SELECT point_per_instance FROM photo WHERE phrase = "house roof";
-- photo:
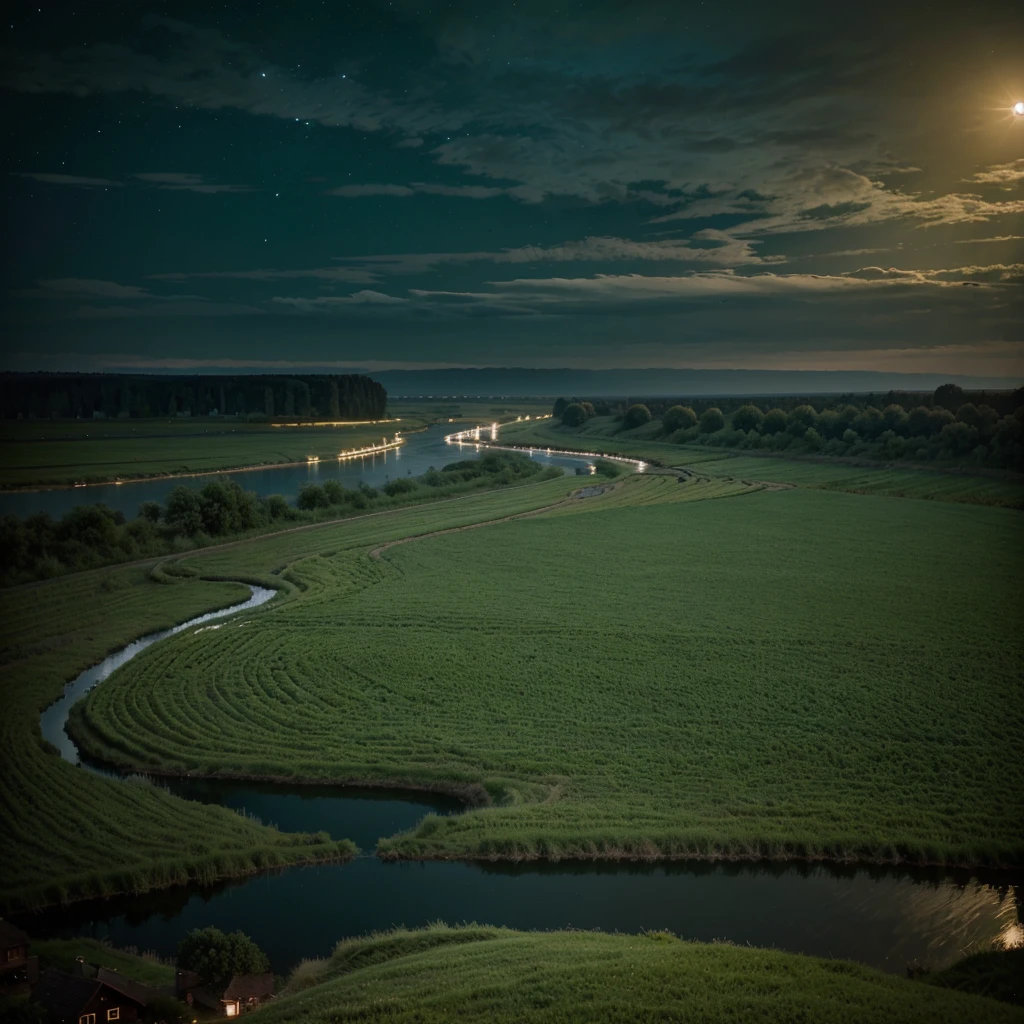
(11, 935)
(134, 990)
(64, 995)
(245, 986)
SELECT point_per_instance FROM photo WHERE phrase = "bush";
(335, 492)
(678, 417)
(403, 485)
(712, 420)
(812, 439)
(747, 417)
(312, 496)
(636, 416)
(150, 511)
(607, 468)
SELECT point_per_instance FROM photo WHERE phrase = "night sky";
(600, 184)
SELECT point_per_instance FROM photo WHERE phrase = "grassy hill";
(495, 974)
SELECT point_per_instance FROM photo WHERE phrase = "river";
(883, 917)
(421, 450)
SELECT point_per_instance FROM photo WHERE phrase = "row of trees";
(949, 396)
(923, 433)
(84, 395)
(89, 536)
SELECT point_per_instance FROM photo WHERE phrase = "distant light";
(1018, 108)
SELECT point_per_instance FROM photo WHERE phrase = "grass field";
(495, 974)
(643, 673)
(68, 834)
(602, 435)
(902, 483)
(45, 452)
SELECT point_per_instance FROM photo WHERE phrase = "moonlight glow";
(1018, 108)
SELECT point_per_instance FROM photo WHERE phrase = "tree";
(678, 417)
(561, 404)
(747, 417)
(869, 424)
(151, 511)
(804, 415)
(574, 415)
(335, 492)
(896, 419)
(970, 414)
(948, 396)
(215, 957)
(184, 511)
(775, 421)
(636, 416)
(919, 421)
(712, 420)
(812, 439)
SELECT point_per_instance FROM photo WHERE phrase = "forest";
(112, 395)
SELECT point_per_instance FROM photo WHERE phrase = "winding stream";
(883, 917)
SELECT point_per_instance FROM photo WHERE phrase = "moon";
(1018, 108)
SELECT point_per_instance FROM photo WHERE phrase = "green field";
(56, 452)
(496, 974)
(645, 673)
(68, 834)
(602, 434)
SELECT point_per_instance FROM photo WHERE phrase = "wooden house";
(68, 999)
(244, 992)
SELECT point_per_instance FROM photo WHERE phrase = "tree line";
(111, 395)
(948, 396)
(950, 426)
(89, 536)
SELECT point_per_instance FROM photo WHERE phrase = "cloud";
(68, 179)
(424, 188)
(337, 275)
(76, 287)
(187, 183)
(331, 303)
(186, 305)
(999, 174)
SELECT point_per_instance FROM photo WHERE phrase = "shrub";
(678, 417)
(712, 420)
(812, 439)
(636, 416)
(312, 496)
(150, 511)
(403, 485)
(335, 492)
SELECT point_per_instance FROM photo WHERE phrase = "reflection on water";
(884, 919)
(417, 454)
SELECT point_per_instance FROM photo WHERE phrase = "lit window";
(87, 1018)
(114, 1013)
(12, 954)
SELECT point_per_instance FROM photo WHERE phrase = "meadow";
(476, 973)
(703, 668)
(605, 434)
(69, 834)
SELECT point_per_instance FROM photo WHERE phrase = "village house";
(16, 966)
(106, 997)
(243, 992)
